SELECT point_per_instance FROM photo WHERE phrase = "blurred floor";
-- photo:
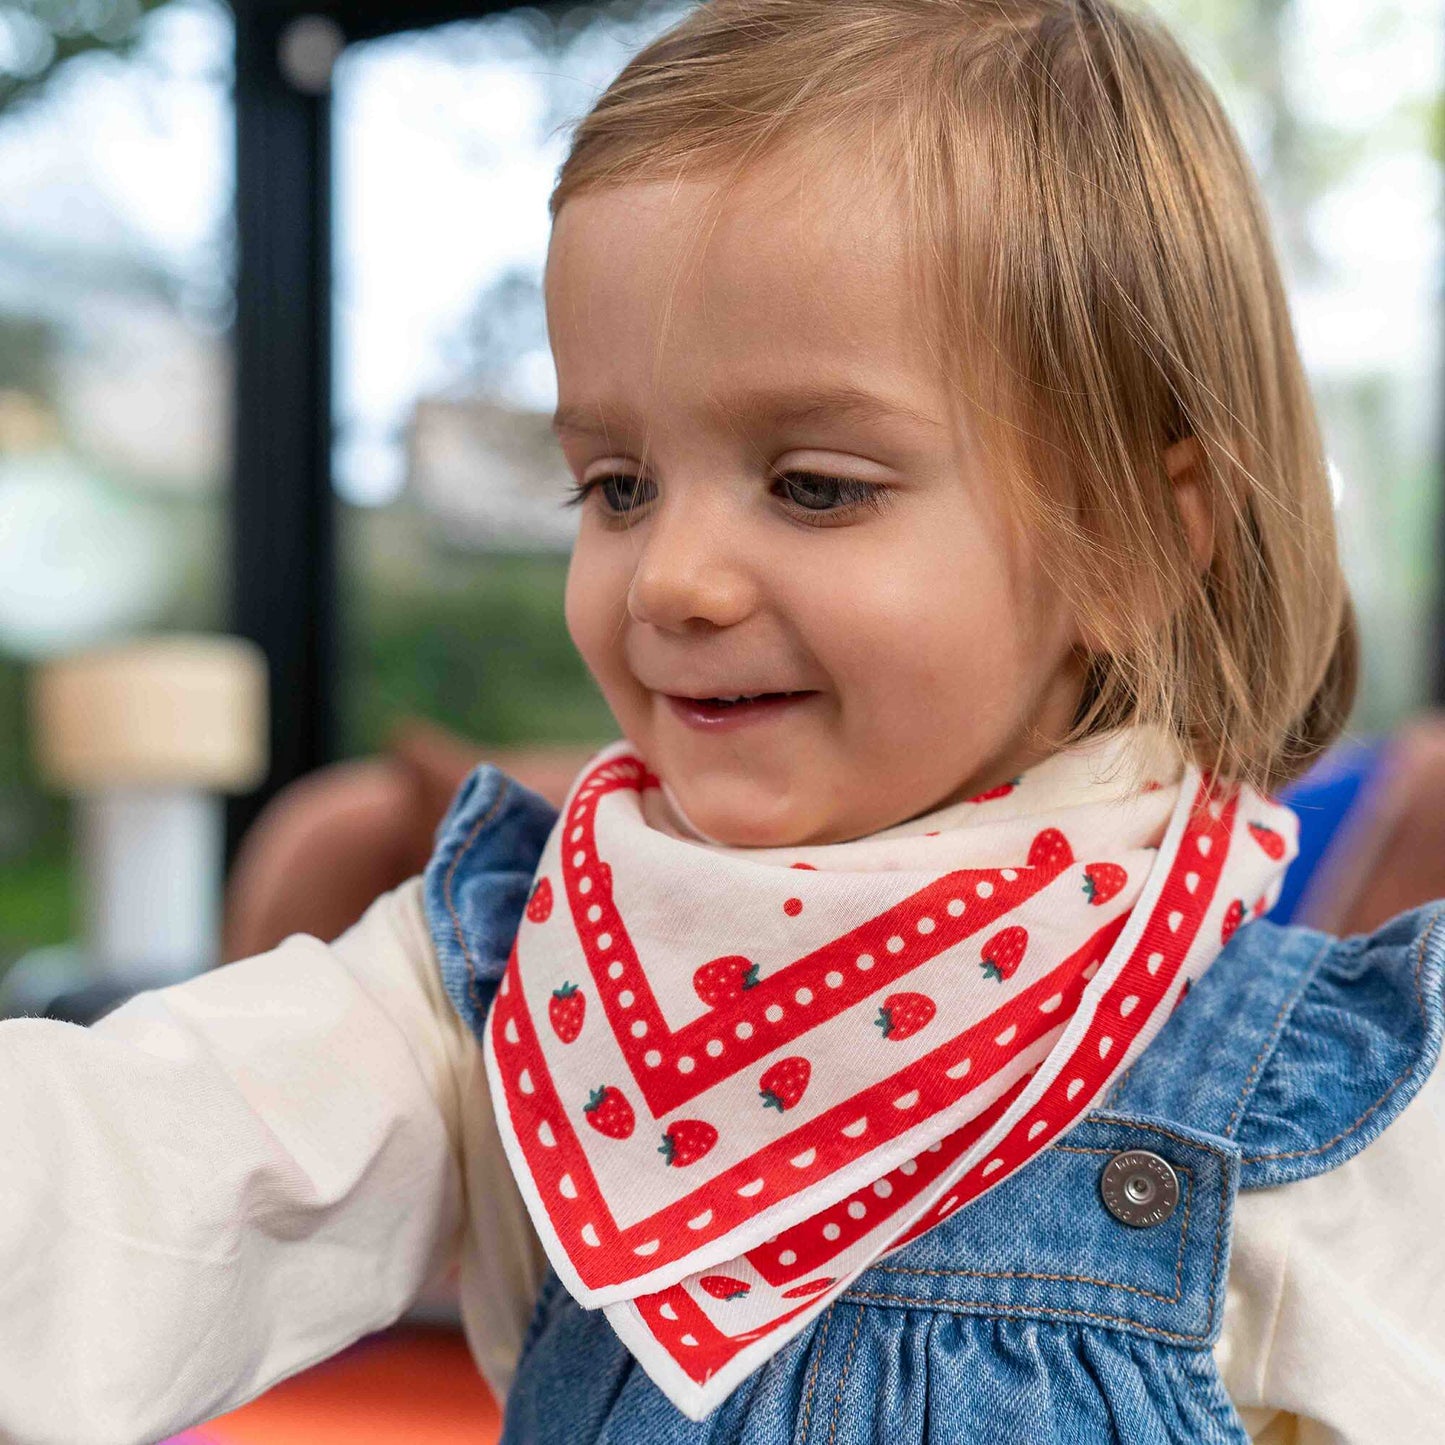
(412, 1384)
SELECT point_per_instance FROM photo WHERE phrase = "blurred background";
(273, 364)
(432, 586)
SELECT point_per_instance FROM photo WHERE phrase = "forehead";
(697, 284)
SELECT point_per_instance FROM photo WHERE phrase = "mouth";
(714, 713)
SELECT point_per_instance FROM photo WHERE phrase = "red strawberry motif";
(1233, 917)
(1003, 953)
(609, 1112)
(1002, 791)
(813, 1286)
(724, 1286)
(686, 1141)
(1050, 850)
(567, 1008)
(1268, 839)
(1261, 905)
(1102, 881)
(784, 1084)
(903, 1014)
(724, 978)
(539, 904)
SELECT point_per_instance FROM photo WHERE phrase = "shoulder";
(477, 882)
(1299, 1047)
(1349, 1048)
(1336, 1294)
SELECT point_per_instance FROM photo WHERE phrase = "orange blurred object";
(407, 1386)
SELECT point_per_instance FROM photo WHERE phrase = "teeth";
(745, 697)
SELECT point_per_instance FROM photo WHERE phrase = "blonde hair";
(1100, 283)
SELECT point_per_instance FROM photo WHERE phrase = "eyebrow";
(809, 404)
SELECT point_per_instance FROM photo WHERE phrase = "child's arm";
(222, 1182)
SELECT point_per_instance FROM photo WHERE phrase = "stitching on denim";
(1024, 1311)
(843, 1378)
(1223, 1205)
(1115, 1121)
(1271, 1037)
(813, 1373)
(1075, 1278)
(451, 873)
(1395, 1083)
(1087, 1314)
(1218, 1242)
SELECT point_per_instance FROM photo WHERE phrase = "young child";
(882, 1042)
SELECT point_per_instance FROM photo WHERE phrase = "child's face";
(927, 637)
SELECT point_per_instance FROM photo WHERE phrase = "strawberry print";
(724, 978)
(567, 1008)
(609, 1112)
(784, 1083)
(686, 1141)
(1003, 953)
(1261, 905)
(1002, 791)
(1050, 850)
(1233, 917)
(539, 904)
(1102, 881)
(884, 945)
(724, 1286)
(903, 1014)
(1271, 841)
(802, 1291)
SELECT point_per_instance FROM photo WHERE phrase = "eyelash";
(864, 494)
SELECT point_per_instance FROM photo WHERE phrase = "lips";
(714, 713)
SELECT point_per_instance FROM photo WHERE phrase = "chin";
(739, 825)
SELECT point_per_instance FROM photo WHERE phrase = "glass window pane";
(116, 256)
(1338, 107)
(454, 542)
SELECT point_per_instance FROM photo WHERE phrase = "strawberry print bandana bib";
(728, 1080)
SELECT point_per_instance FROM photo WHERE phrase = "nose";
(692, 567)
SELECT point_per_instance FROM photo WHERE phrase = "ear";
(1184, 462)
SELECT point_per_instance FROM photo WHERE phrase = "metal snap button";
(1139, 1188)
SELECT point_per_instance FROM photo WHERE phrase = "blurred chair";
(331, 842)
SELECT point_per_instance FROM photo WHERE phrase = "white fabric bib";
(730, 1079)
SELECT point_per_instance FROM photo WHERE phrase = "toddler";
(883, 1041)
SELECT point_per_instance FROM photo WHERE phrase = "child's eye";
(811, 495)
(619, 492)
(825, 496)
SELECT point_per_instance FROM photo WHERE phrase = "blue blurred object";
(1323, 799)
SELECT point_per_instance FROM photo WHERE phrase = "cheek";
(591, 606)
(911, 643)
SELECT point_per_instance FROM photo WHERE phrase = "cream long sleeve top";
(224, 1181)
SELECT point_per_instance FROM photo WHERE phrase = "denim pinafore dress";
(1075, 1302)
